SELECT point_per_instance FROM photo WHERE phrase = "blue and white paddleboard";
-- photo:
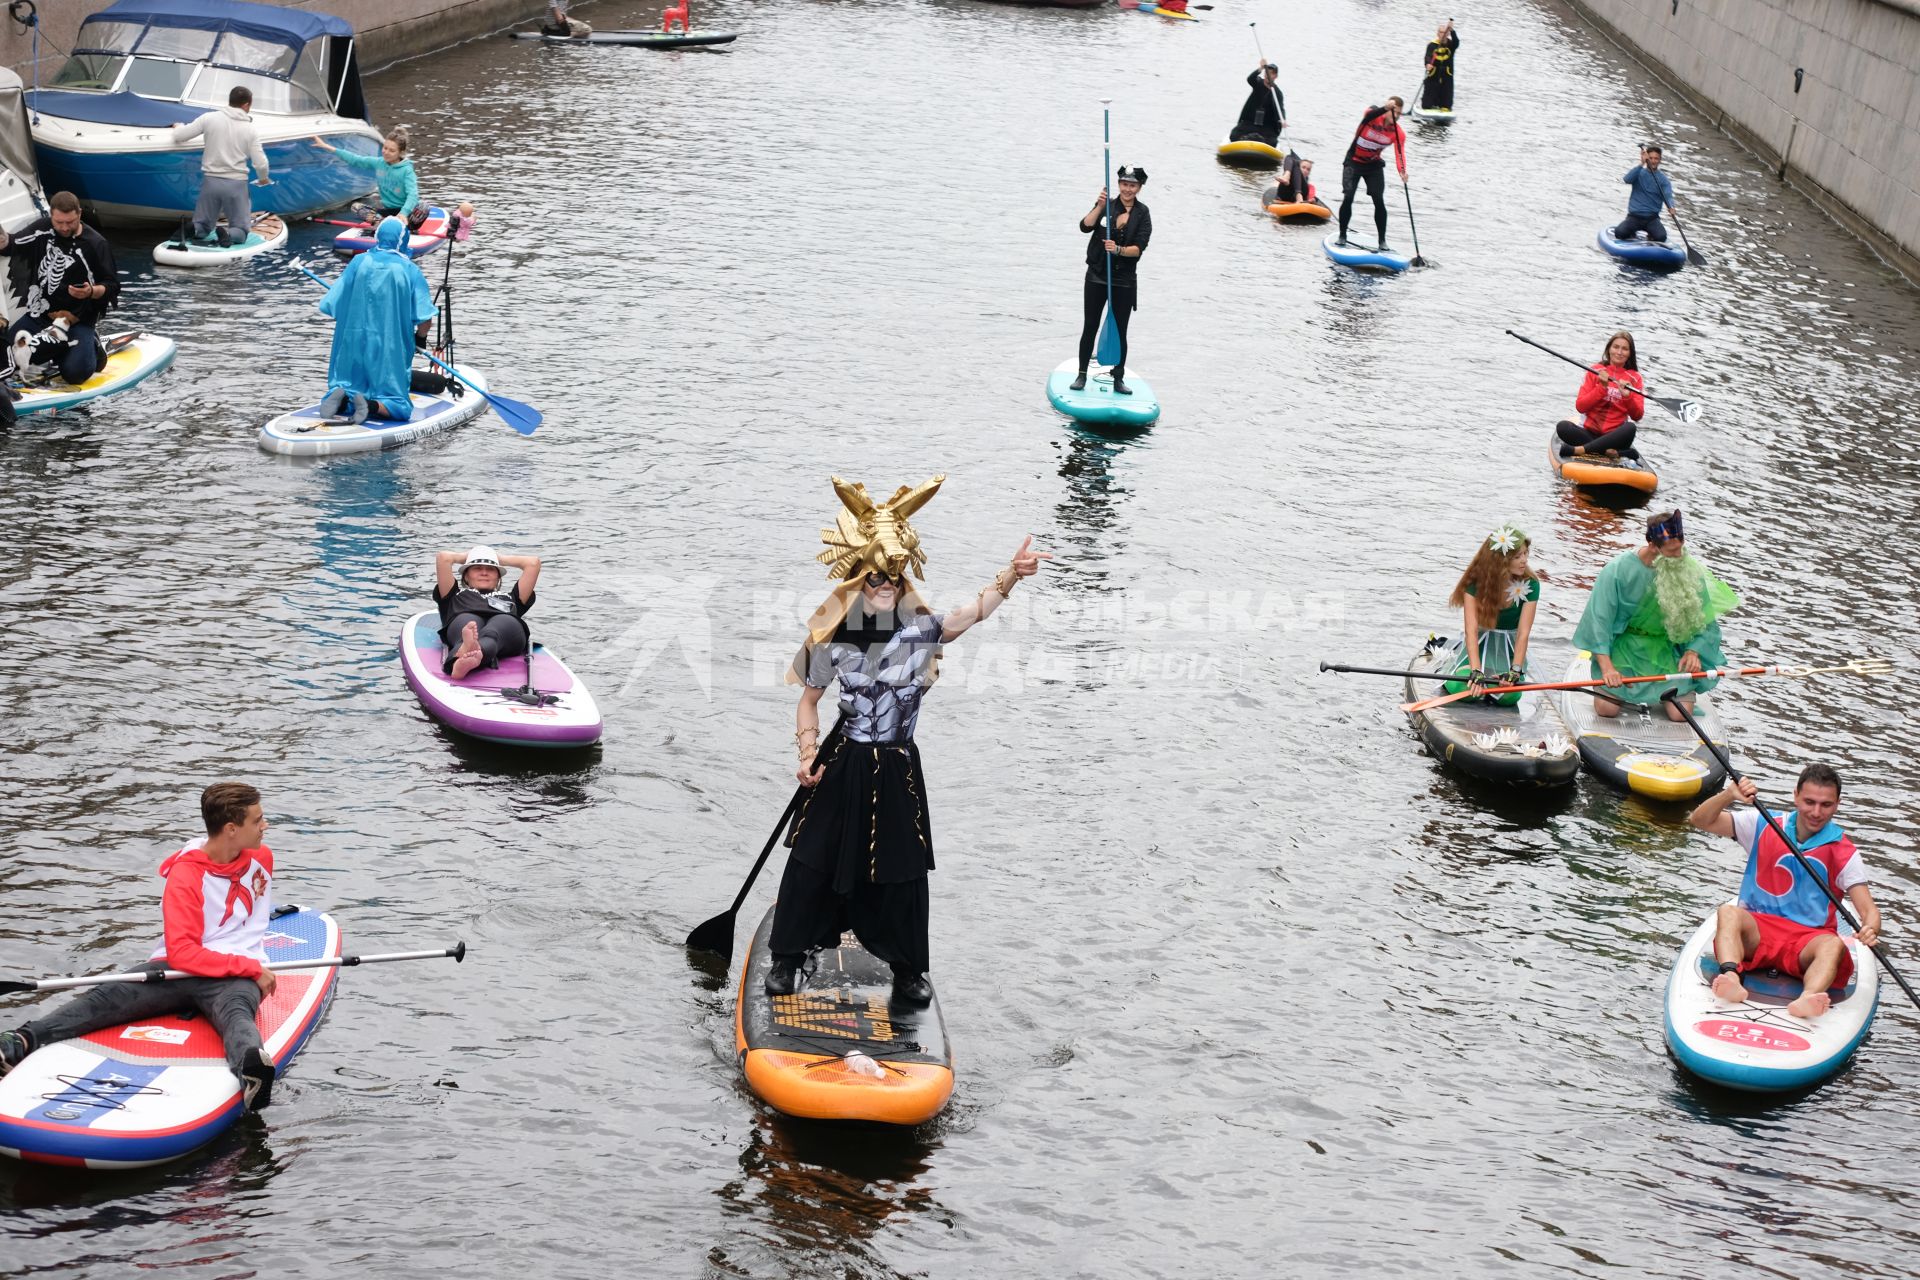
(1353, 255)
(268, 233)
(305, 433)
(1757, 1045)
(147, 1092)
(1098, 404)
(1652, 254)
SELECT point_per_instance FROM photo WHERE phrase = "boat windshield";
(194, 66)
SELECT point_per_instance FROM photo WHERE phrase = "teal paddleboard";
(1097, 403)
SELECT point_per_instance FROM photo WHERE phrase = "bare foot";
(468, 656)
(1811, 1005)
(1579, 451)
(1727, 987)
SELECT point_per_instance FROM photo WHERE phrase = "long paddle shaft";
(1413, 227)
(1434, 675)
(716, 934)
(1858, 667)
(523, 418)
(1109, 349)
(1685, 410)
(457, 952)
(1279, 116)
(1779, 831)
(1694, 256)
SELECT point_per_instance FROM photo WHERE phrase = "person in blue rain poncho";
(381, 306)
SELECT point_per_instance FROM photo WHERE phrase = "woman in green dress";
(1497, 597)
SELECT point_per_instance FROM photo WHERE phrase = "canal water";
(1239, 982)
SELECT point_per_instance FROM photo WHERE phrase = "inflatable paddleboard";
(1250, 153)
(489, 704)
(1437, 115)
(637, 39)
(1526, 743)
(1097, 404)
(1299, 211)
(1641, 750)
(1757, 1045)
(134, 359)
(1652, 254)
(1606, 477)
(841, 1047)
(148, 1092)
(268, 233)
(428, 236)
(1352, 255)
(305, 433)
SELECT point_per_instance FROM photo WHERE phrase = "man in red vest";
(1784, 919)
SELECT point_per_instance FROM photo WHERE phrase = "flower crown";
(1506, 540)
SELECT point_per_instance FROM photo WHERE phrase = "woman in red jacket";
(1611, 403)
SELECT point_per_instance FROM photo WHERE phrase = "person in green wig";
(1653, 611)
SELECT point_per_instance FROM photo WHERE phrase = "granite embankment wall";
(1826, 92)
(387, 30)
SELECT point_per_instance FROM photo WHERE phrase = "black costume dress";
(1258, 120)
(861, 841)
(1436, 91)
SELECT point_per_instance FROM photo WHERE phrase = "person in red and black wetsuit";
(1611, 401)
(1379, 129)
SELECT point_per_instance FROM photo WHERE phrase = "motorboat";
(20, 198)
(102, 128)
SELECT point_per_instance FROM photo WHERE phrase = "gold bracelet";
(1004, 582)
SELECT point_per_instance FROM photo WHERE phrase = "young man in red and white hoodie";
(215, 909)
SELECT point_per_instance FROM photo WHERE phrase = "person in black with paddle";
(1264, 114)
(1436, 91)
(861, 839)
(1132, 228)
(480, 623)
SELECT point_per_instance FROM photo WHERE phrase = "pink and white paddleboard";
(148, 1092)
(496, 705)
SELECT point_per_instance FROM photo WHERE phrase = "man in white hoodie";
(231, 140)
(214, 914)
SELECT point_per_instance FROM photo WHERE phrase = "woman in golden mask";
(861, 841)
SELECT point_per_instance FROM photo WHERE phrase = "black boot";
(783, 977)
(1120, 387)
(256, 1075)
(1079, 383)
(912, 988)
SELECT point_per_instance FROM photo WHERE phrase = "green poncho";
(1623, 620)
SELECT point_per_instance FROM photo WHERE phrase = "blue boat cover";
(258, 21)
(112, 108)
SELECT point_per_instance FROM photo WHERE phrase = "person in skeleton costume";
(1654, 611)
(479, 622)
(58, 263)
(861, 841)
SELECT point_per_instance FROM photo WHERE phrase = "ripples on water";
(1239, 982)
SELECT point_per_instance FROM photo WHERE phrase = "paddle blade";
(523, 418)
(715, 935)
(1685, 410)
(1696, 257)
(1109, 350)
(10, 988)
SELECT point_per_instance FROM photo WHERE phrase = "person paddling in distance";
(1652, 612)
(479, 622)
(1652, 191)
(1782, 919)
(1264, 114)
(1497, 596)
(214, 915)
(1366, 159)
(861, 839)
(1132, 228)
(1610, 402)
(231, 141)
(397, 186)
(1436, 90)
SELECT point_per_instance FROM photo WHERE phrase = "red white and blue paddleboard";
(148, 1092)
(424, 239)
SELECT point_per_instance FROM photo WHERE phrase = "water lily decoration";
(1557, 745)
(1506, 539)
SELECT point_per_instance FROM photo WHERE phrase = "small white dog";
(36, 356)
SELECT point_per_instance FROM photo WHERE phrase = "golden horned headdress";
(870, 537)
